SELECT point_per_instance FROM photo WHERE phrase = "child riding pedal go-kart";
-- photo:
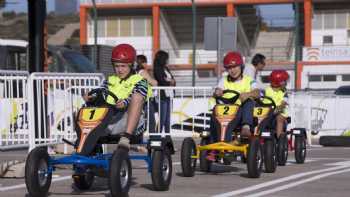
(111, 115)
(232, 114)
(276, 122)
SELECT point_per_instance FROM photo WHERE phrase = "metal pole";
(296, 53)
(95, 34)
(219, 48)
(194, 41)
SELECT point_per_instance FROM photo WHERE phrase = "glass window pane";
(125, 26)
(317, 21)
(341, 20)
(329, 78)
(148, 27)
(315, 78)
(112, 27)
(346, 77)
(101, 27)
(329, 20)
(327, 39)
(139, 26)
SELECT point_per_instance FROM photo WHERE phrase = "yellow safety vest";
(276, 96)
(241, 86)
(123, 88)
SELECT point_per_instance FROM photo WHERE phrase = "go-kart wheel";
(188, 164)
(120, 173)
(204, 163)
(84, 181)
(300, 149)
(162, 170)
(270, 155)
(227, 161)
(255, 158)
(282, 150)
(37, 176)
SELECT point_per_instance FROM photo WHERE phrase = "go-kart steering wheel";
(271, 102)
(99, 97)
(222, 100)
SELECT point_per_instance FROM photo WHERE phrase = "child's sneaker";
(211, 155)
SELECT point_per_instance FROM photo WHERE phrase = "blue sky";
(278, 13)
(21, 5)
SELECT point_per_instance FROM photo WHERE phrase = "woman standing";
(164, 77)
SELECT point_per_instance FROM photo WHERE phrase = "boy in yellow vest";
(246, 86)
(277, 92)
(132, 91)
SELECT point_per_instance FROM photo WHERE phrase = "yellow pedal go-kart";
(224, 111)
(263, 114)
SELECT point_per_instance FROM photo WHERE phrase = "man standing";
(252, 70)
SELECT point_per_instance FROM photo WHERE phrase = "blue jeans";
(151, 121)
(165, 115)
(243, 116)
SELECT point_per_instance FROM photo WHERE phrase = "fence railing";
(13, 108)
(39, 109)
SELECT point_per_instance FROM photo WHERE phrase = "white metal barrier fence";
(13, 109)
(55, 98)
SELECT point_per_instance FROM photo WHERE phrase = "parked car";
(343, 90)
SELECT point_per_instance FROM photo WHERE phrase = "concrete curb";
(12, 169)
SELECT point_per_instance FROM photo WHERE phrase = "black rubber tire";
(300, 149)
(161, 161)
(84, 181)
(38, 157)
(270, 162)
(204, 163)
(282, 150)
(188, 164)
(120, 158)
(335, 141)
(255, 158)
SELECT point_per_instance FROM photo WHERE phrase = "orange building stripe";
(156, 29)
(230, 10)
(83, 32)
(307, 22)
(186, 4)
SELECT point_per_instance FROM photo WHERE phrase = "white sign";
(331, 53)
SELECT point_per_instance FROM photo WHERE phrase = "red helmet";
(123, 53)
(277, 77)
(233, 58)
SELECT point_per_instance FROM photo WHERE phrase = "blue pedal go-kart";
(89, 161)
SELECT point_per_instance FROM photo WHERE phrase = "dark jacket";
(160, 76)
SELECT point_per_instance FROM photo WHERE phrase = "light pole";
(95, 34)
(194, 41)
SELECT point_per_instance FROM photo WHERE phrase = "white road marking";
(281, 180)
(2, 189)
(287, 186)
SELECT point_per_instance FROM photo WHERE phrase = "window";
(101, 27)
(125, 26)
(327, 39)
(329, 20)
(139, 27)
(265, 79)
(346, 77)
(317, 21)
(112, 27)
(329, 77)
(315, 78)
(341, 20)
